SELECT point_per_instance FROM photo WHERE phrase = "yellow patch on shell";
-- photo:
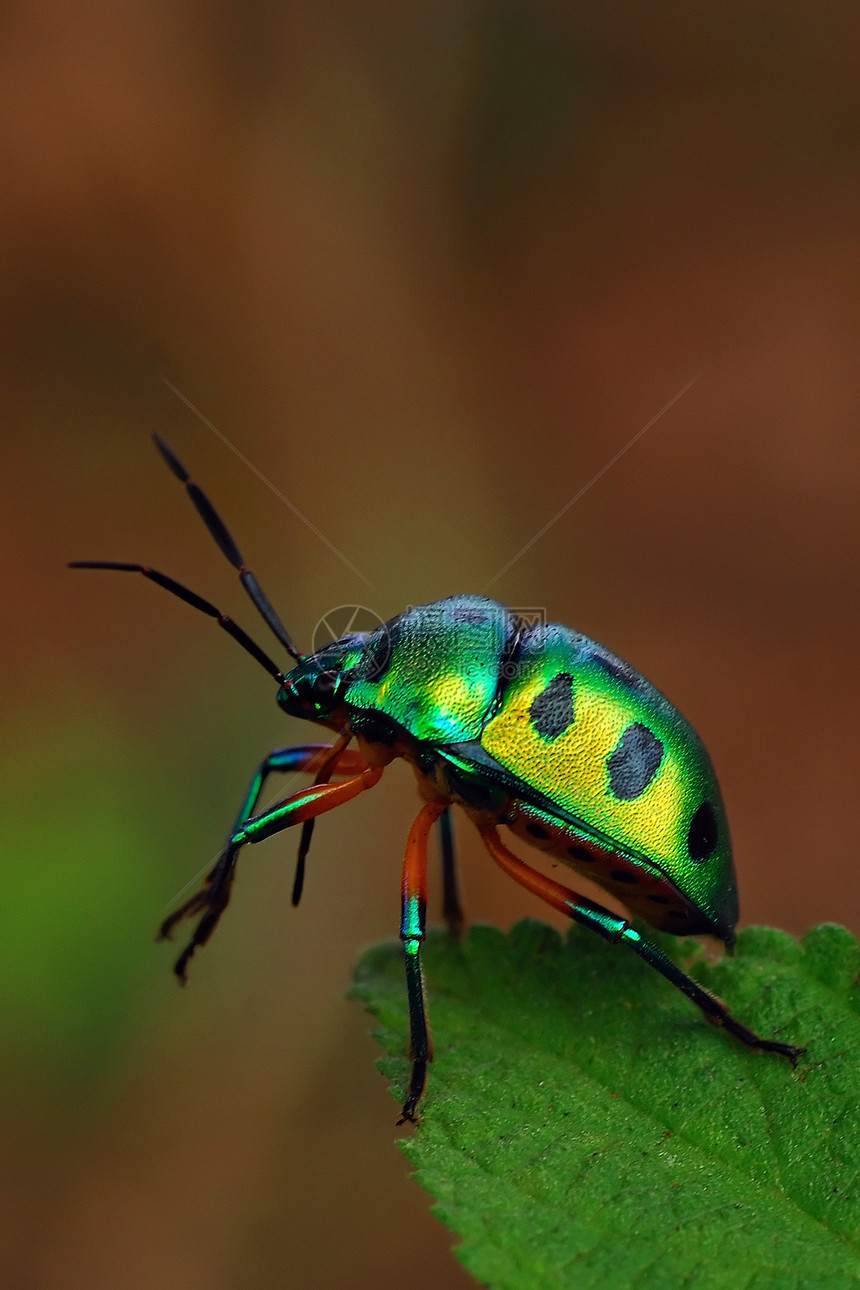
(571, 769)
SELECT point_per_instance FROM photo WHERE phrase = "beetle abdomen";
(591, 735)
(642, 888)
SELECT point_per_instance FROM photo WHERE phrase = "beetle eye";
(325, 686)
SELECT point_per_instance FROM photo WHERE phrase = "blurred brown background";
(428, 267)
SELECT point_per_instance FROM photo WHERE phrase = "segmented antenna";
(228, 547)
(197, 602)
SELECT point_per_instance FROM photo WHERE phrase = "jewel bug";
(534, 727)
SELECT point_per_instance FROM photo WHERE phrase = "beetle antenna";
(228, 547)
(197, 602)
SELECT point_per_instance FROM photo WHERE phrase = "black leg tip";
(180, 967)
(416, 1092)
(788, 1051)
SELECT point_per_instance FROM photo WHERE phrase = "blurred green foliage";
(77, 881)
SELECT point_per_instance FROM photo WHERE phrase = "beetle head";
(316, 687)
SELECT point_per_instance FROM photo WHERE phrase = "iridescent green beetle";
(534, 727)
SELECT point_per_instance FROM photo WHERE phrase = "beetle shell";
(434, 670)
(555, 736)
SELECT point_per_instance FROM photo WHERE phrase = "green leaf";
(584, 1126)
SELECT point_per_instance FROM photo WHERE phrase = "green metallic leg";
(303, 757)
(211, 901)
(412, 928)
(618, 930)
(615, 929)
(452, 910)
(213, 898)
(304, 805)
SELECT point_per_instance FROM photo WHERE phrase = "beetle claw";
(210, 903)
(195, 905)
(788, 1051)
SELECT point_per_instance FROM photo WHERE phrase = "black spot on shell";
(623, 875)
(580, 853)
(536, 830)
(552, 710)
(658, 900)
(703, 833)
(634, 762)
